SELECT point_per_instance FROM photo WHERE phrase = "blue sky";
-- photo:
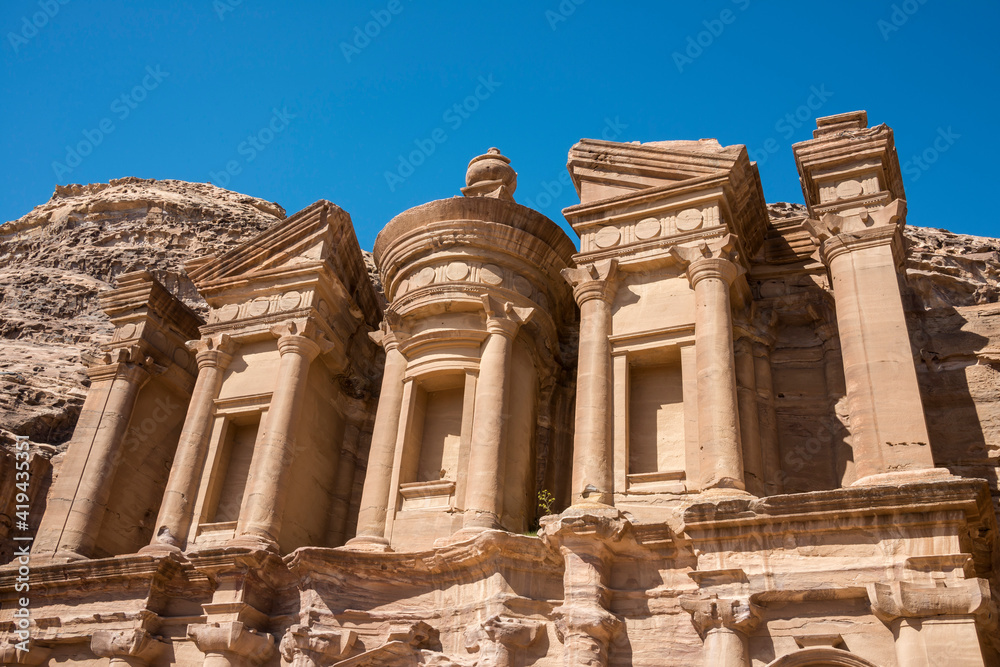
(293, 102)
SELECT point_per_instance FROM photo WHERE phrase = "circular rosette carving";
(457, 271)
(258, 306)
(849, 189)
(491, 274)
(424, 277)
(647, 229)
(689, 219)
(607, 237)
(228, 312)
(289, 300)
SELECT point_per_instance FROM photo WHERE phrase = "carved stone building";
(753, 431)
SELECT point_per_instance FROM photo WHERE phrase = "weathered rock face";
(56, 259)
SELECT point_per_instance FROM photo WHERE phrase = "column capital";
(710, 259)
(390, 332)
(503, 317)
(130, 363)
(714, 613)
(136, 646)
(597, 280)
(213, 351)
(901, 599)
(305, 646)
(838, 234)
(301, 337)
(232, 637)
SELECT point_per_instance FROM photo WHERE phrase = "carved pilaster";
(711, 269)
(375, 496)
(862, 249)
(231, 643)
(304, 646)
(594, 287)
(126, 648)
(485, 491)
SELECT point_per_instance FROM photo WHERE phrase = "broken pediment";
(636, 197)
(316, 244)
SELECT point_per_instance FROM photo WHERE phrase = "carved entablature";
(638, 200)
(848, 167)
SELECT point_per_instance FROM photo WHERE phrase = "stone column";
(173, 523)
(126, 648)
(375, 495)
(73, 518)
(303, 646)
(593, 475)
(231, 644)
(767, 420)
(888, 430)
(260, 519)
(932, 625)
(499, 638)
(484, 494)
(724, 624)
(711, 273)
(746, 383)
(583, 537)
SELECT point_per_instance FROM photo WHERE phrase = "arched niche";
(821, 657)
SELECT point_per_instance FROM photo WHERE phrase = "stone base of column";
(724, 493)
(253, 543)
(465, 535)
(161, 549)
(906, 477)
(367, 544)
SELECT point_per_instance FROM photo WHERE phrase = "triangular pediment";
(320, 238)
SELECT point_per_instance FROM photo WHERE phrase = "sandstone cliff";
(57, 258)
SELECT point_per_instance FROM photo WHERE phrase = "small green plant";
(545, 500)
